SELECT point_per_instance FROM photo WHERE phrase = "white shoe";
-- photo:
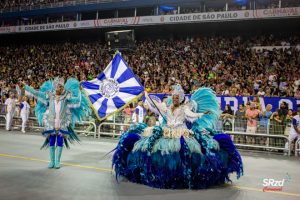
(23, 131)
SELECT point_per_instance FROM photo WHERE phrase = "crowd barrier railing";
(112, 129)
(297, 147)
(31, 123)
(267, 127)
(257, 146)
(84, 127)
(2, 120)
(2, 109)
(269, 135)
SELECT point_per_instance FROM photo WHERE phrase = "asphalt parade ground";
(86, 173)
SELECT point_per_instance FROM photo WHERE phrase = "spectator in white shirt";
(25, 109)
(139, 114)
(10, 110)
(261, 92)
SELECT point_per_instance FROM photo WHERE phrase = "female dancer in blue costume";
(183, 152)
(59, 107)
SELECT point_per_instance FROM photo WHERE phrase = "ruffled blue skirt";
(175, 163)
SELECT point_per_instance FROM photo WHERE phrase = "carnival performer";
(25, 110)
(59, 106)
(10, 109)
(184, 151)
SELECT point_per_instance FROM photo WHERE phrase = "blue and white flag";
(113, 89)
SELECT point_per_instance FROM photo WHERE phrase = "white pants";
(291, 138)
(9, 119)
(24, 120)
(251, 129)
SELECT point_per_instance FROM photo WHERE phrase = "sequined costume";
(183, 152)
(58, 114)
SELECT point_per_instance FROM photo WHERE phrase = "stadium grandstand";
(246, 51)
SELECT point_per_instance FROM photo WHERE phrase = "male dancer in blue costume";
(59, 106)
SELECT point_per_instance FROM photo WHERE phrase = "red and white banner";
(277, 12)
(126, 21)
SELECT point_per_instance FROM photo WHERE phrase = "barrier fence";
(297, 147)
(269, 135)
(85, 127)
(2, 120)
(258, 146)
(111, 129)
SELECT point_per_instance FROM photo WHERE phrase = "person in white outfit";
(10, 104)
(295, 128)
(25, 109)
(139, 114)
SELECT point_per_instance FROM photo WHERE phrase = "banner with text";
(234, 102)
(158, 20)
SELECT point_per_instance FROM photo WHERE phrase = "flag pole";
(156, 108)
(117, 51)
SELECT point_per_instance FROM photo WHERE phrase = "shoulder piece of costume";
(77, 102)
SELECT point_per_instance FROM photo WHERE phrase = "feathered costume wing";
(78, 103)
(203, 100)
(81, 107)
(42, 104)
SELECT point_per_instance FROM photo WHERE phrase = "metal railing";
(82, 127)
(2, 122)
(266, 136)
(113, 127)
(2, 109)
(85, 127)
(31, 123)
(240, 125)
(256, 146)
(297, 147)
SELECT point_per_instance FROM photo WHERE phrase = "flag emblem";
(113, 89)
(109, 88)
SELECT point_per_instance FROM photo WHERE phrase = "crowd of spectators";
(229, 65)
(260, 4)
(15, 5)
(252, 118)
(8, 4)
